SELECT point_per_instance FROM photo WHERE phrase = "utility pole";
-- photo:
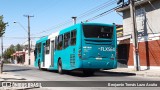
(134, 36)
(28, 16)
(74, 20)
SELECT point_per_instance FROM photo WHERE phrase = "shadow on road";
(111, 73)
(16, 70)
(101, 73)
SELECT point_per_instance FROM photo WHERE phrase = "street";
(33, 74)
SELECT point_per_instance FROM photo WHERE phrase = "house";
(32, 57)
(148, 29)
(18, 57)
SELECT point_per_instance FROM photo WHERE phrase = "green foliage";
(9, 51)
(2, 26)
(19, 47)
(12, 49)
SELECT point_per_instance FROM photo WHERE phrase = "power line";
(55, 27)
(21, 26)
(96, 9)
(20, 37)
(103, 14)
(87, 13)
(100, 15)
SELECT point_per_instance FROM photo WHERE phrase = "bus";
(85, 46)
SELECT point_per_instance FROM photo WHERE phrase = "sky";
(50, 16)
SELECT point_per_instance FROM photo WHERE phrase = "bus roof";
(53, 35)
(97, 24)
(42, 39)
(79, 24)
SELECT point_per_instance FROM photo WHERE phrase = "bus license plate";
(98, 58)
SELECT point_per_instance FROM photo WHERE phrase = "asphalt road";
(33, 74)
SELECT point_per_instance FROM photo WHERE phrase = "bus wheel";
(60, 70)
(88, 72)
(39, 65)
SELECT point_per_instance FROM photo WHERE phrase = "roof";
(136, 4)
(18, 53)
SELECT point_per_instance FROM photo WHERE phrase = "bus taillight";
(117, 52)
(112, 57)
(79, 53)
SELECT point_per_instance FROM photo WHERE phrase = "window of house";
(66, 39)
(73, 37)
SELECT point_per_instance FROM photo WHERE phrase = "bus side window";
(60, 42)
(39, 48)
(56, 43)
(73, 37)
(47, 46)
(66, 39)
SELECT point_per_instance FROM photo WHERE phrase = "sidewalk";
(5, 76)
(21, 65)
(144, 73)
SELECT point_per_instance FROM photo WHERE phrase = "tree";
(19, 47)
(9, 51)
(2, 29)
(2, 26)
(12, 49)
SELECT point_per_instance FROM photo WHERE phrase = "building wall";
(148, 26)
(147, 17)
(149, 53)
(31, 58)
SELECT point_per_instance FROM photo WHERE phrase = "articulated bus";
(86, 46)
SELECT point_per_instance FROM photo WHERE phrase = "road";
(33, 74)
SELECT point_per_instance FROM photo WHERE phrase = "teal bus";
(86, 46)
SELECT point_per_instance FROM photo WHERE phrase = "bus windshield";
(92, 31)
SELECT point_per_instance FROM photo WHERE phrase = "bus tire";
(88, 72)
(60, 70)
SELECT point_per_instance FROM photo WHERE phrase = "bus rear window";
(95, 31)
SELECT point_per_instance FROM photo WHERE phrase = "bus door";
(43, 53)
(73, 50)
(35, 52)
(52, 53)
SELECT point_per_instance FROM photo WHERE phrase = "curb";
(20, 65)
(147, 75)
